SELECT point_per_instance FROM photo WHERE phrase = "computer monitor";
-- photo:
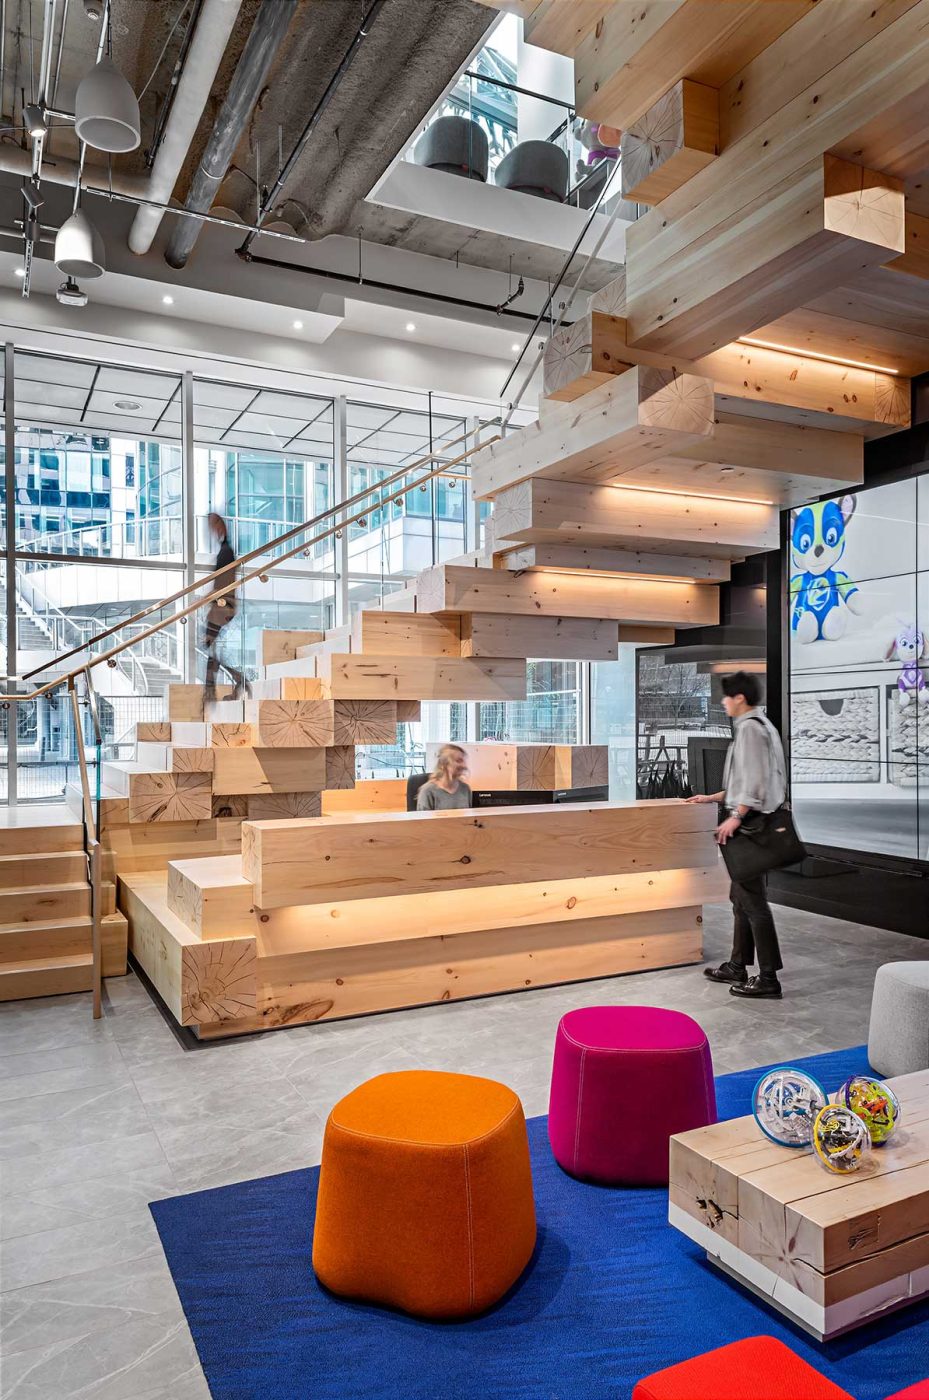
(524, 797)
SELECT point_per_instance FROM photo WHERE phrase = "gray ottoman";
(898, 1040)
(456, 145)
(535, 167)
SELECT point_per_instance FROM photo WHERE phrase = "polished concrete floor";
(99, 1118)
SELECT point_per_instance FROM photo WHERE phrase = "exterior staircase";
(45, 919)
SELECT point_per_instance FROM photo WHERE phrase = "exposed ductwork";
(214, 28)
(267, 33)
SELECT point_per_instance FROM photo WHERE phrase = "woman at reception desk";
(446, 789)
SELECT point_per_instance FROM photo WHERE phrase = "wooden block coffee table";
(831, 1252)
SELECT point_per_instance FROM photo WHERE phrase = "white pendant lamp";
(79, 250)
(106, 110)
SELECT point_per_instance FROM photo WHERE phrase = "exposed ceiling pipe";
(15, 161)
(214, 28)
(267, 33)
(364, 29)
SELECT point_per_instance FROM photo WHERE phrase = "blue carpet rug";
(612, 1293)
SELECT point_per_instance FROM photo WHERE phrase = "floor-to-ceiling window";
(119, 458)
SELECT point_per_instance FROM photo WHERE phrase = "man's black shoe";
(726, 973)
(758, 987)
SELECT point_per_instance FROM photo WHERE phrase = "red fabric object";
(758, 1368)
(919, 1391)
(624, 1079)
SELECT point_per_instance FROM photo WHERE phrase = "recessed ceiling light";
(20, 272)
(298, 325)
(130, 405)
(410, 326)
(515, 349)
(168, 301)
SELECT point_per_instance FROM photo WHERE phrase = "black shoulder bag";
(764, 841)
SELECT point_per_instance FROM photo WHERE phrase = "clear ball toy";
(840, 1138)
(875, 1103)
(785, 1104)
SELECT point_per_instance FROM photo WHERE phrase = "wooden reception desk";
(368, 911)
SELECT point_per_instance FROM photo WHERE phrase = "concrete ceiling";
(410, 56)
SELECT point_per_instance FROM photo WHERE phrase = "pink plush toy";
(909, 647)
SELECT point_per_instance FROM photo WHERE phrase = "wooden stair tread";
(41, 964)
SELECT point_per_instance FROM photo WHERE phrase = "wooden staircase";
(45, 919)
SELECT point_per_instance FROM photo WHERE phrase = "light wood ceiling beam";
(635, 53)
(761, 170)
(815, 228)
(621, 561)
(618, 517)
(777, 384)
(797, 61)
(548, 593)
(641, 414)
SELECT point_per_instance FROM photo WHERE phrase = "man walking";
(220, 612)
(755, 779)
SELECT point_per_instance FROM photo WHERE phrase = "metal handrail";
(259, 573)
(263, 549)
(91, 843)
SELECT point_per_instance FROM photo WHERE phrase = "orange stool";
(425, 1194)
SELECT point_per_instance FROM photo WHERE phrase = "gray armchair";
(456, 145)
(535, 167)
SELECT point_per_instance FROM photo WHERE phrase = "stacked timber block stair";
(46, 934)
(335, 916)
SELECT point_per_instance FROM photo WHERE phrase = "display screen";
(859, 662)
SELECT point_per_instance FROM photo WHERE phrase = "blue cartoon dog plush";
(821, 596)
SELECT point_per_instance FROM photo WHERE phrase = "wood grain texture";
(185, 702)
(191, 760)
(633, 55)
(233, 735)
(277, 805)
(405, 634)
(642, 414)
(364, 722)
(293, 724)
(306, 987)
(149, 846)
(584, 355)
(579, 595)
(169, 797)
(197, 981)
(670, 142)
(567, 557)
(409, 711)
(574, 513)
(812, 229)
(369, 795)
(826, 1239)
(364, 857)
(153, 732)
(230, 806)
(422, 678)
(225, 906)
(282, 645)
(555, 638)
(244, 772)
(779, 385)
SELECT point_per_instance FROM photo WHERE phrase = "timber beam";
(668, 144)
(670, 602)
(637, 416)
(574, 513)
(750, 378)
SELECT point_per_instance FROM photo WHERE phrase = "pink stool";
(626, 1078)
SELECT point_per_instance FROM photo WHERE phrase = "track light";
(32, 194)
(34, 120)
(79, 250)
(70, 294)
(106, 110)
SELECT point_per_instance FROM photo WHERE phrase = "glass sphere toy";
(840, 1138)
(785, 1104)
(875, 1103)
